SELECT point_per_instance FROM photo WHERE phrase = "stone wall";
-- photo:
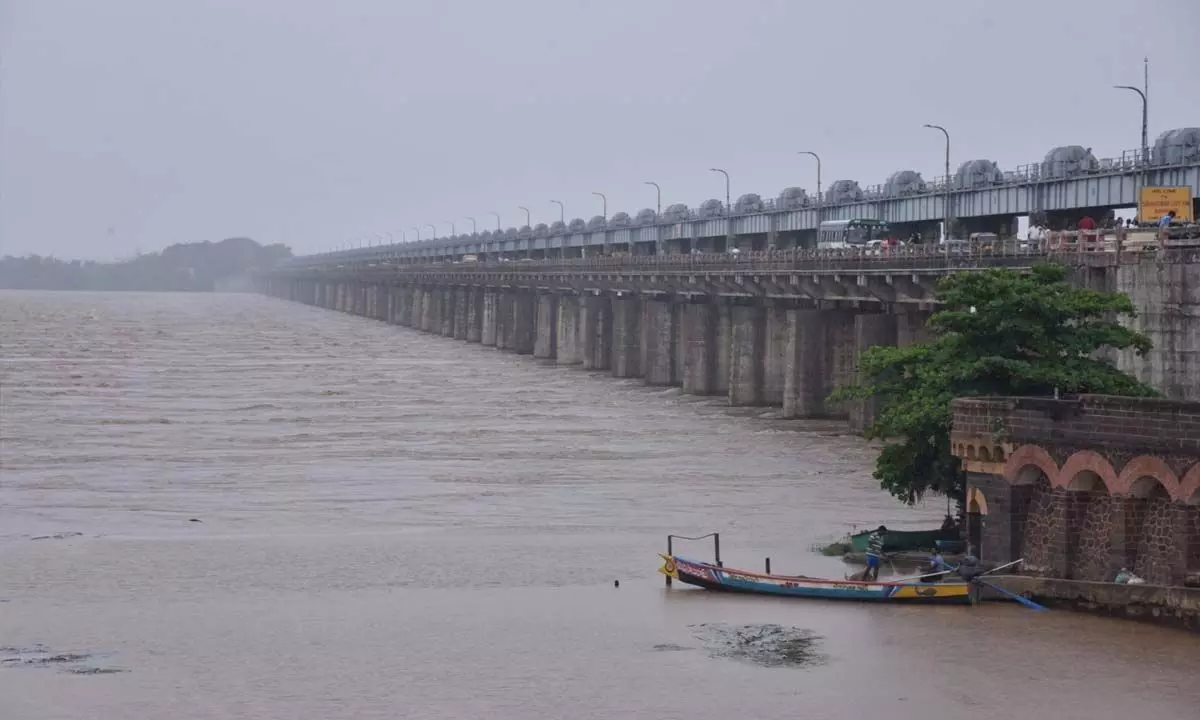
(1170, 606)
(1082, 487)
(1084, 421)
(1165, 291)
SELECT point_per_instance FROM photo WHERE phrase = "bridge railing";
(981, 252)
(870, 259)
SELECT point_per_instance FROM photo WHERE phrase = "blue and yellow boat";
(715, 577)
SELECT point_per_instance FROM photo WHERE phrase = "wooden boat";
(714, 577)
(897, 540)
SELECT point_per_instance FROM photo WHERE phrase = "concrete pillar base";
(746, 355)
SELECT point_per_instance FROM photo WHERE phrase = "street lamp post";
(453, 228)
(498, 229)
(657, 216)
(820, 198)
(1144, 95)
(719, 170)
(658, 192)
(418, 231)
(603, 204)
(728, 210)
(433, 227)
(562, 218)
(474, 228)
(946, 200)
(528, 222)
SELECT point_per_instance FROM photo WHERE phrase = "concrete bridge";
(1081, 487)
(1068, 184)
(774, 328)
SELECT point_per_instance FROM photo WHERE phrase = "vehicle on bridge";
(857, 233)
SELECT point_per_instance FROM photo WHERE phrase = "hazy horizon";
(136, 124)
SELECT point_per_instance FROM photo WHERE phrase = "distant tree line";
(194, 267)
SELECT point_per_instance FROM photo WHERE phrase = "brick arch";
(1189, 485)
(1030, 455)
(1089, 461)
(976, 498)
(1151, 467)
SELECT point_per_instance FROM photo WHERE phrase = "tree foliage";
(1001, 332)
(189, 266)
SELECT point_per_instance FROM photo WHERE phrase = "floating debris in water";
(669, 647)
(765, 645)
(58, 536)
(39, 656)
(42, 658)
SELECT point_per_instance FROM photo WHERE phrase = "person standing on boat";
(874, 553)
(970, 570)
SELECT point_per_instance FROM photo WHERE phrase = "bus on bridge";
(857, 233)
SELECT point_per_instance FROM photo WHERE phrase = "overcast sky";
(135, 124)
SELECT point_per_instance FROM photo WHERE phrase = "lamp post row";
(1143, 93)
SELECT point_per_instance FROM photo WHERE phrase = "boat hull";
(712, 577)
(898, 540)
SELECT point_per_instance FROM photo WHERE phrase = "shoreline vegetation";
(186, 267)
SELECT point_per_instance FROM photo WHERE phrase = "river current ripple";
(227, 506)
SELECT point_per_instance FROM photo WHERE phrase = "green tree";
(1001, 332)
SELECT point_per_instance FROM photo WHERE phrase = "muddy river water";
(227, 506)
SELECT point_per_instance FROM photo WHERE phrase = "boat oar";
(1023, 600)
(1001, 567)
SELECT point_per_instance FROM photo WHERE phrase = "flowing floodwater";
(222, 506)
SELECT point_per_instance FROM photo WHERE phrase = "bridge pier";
(404, 306)
(626, 336)
(746, 354)
(567, 330)
(840, 356)
(487, 317)
(505, 329)
(775, 343)
(870, 329)
(473, 319)
(658, 341)
(524, 326)
(546, 339)
(743, 327)
(428, 308)
(445, 312)
(416, 309)
(804, 389)
(461, 301)
(595, 332)
(699, 330)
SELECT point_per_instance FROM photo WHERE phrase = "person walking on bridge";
(874, 553)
